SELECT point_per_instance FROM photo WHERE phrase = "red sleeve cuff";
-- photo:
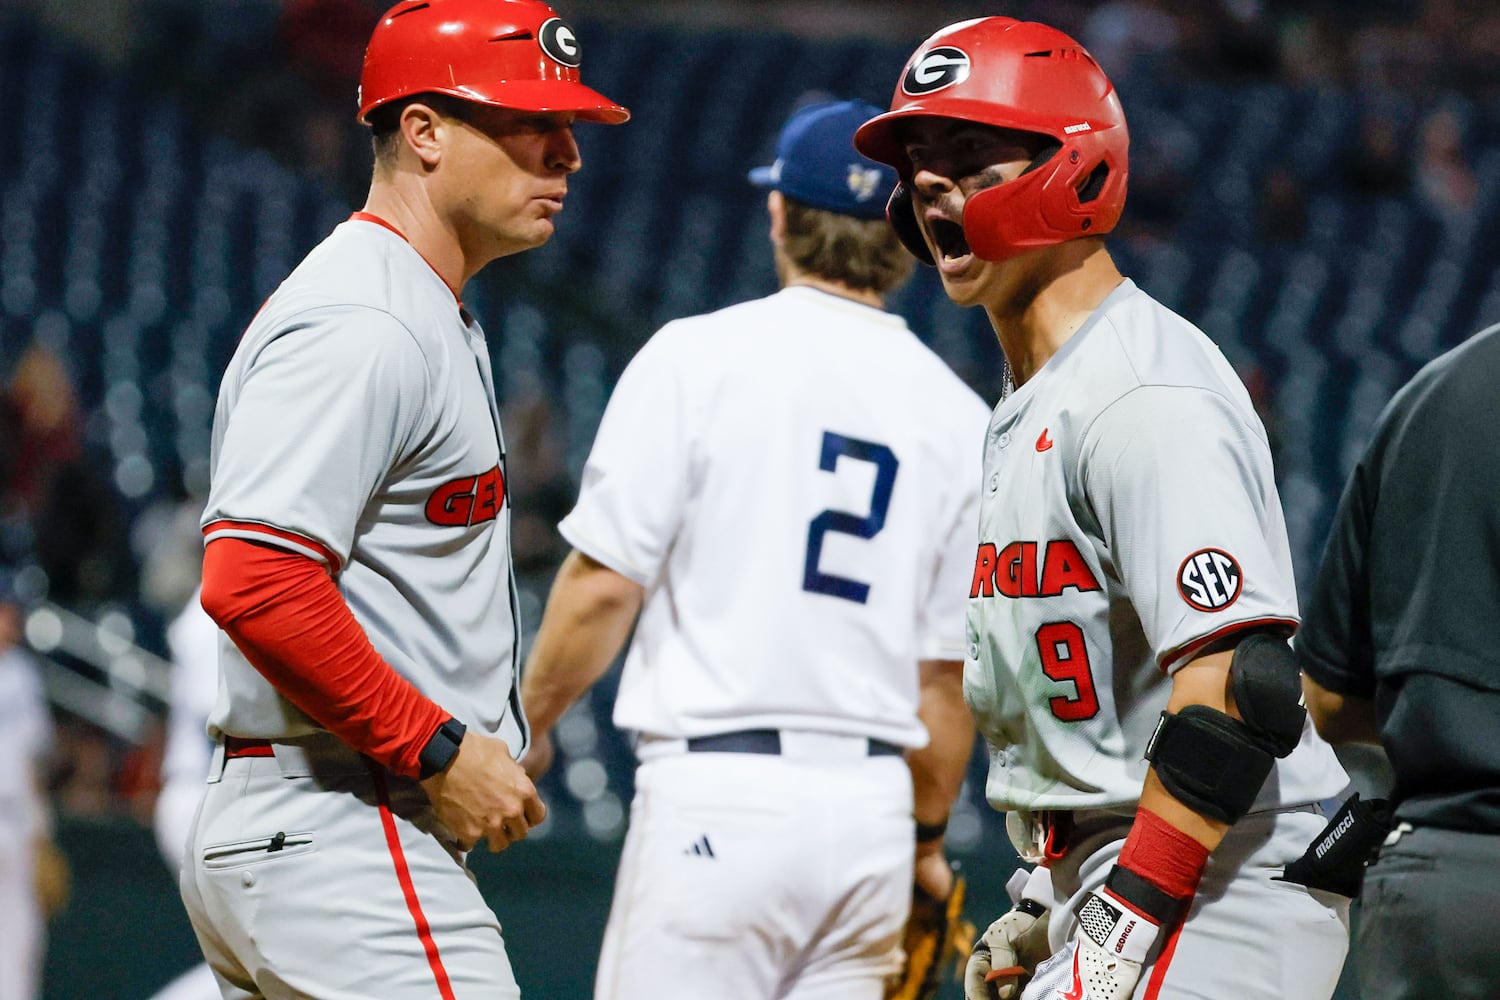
(286, 615)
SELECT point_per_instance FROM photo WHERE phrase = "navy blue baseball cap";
(817, 164)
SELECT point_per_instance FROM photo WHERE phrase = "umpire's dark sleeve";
(1334, 646)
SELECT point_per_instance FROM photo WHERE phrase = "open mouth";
(949, 237)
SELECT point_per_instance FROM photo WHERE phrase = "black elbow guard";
(1268, 691)
(1214, 763)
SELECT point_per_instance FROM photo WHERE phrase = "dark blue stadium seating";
(140, 247)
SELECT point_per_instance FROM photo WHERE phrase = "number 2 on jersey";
(1065, 657)
(843, 522)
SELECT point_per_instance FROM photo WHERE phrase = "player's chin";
(528, 236)
(964, 286)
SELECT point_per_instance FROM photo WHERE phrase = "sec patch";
(1210, 580)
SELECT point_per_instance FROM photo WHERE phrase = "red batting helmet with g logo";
(507, 53)
(1032, 78)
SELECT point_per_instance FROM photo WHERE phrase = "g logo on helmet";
(937, 68)
(559, 42)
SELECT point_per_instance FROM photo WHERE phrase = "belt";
(768, 741)
(236, 747)
(297, 756)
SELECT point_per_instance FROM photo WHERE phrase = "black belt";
(768, 741)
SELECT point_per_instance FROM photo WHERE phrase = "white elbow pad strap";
(1211, 762)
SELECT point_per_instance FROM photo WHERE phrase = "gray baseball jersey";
(357, 425)
(802, 526)
(1129, 518)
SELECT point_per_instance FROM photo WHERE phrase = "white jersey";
(193, 639)
(1129, 518)
(357, 425)
(25, 741)
(792, 480)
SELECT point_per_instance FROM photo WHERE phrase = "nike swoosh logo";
(1076, 992)
(1043, 442)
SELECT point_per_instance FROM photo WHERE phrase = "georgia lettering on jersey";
(468, 500)
(1013, 570)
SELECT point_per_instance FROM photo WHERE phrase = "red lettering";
(1008, 570)
(1065, 567)
(468, 500)
(1013, 570)
(452, 503)
(1028, 569)
(486, 500)
(984, 572)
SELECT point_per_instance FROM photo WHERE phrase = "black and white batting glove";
(1103, 961)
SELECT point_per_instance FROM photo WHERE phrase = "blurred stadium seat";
(140, 245)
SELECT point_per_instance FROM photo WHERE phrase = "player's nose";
(562, 151)
(930, 182)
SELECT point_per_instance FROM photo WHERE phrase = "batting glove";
(1103, 961)
(1012, 946)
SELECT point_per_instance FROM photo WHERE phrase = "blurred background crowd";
(1315, 183)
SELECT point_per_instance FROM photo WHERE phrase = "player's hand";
(931, 871)
(1103, 960)
(1006, 953)
(538, 759)
(483, 794)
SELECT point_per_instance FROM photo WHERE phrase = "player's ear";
(422, 128)
(776, 205)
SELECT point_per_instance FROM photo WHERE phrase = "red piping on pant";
(408, 889)
(1159, 969)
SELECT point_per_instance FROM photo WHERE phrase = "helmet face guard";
(1025, 77)
(505, 53)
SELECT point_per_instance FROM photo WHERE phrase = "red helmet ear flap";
(903, 219)
(1046, 205)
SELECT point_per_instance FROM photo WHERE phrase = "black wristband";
(928, 832)
(1140, 893)
(441, 747)
(1030, 907)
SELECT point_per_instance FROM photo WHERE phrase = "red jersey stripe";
(279, 537)
(1188, 649)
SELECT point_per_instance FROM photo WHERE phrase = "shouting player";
(784, 491)
(1132, 592)
(357, 541)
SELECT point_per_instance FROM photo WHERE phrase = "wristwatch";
(441, 748)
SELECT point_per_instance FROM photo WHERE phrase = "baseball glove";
(938, 939)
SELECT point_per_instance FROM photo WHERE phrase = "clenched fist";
(483, 794)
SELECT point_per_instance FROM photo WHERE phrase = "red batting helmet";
(1032, 78)
(507, 53)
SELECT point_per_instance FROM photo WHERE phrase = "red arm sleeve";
(286, 615)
